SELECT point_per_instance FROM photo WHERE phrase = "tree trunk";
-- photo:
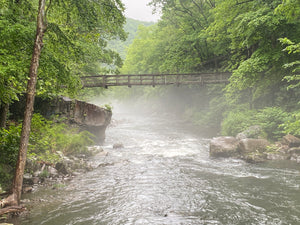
(3, 114)
(14, 199)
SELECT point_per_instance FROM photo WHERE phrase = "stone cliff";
(82, 114)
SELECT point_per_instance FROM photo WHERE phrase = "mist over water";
(164, 175)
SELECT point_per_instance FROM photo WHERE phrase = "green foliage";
(294, 77)
(44, 174)
(75, 44)
(9, 148)
(292, 124)
(270, 119)
(244, 37)
(131, 28)
(236, 122)
(47, 138)
(108, 107)
(9, 144)
(6, 176)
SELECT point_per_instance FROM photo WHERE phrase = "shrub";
(48, 137)
(9, 144)
(236, 122)
(270, 119)
(292, 124)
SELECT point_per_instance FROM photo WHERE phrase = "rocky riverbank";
(254, 149)
(43, 173)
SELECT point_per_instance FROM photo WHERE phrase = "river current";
(164, 175)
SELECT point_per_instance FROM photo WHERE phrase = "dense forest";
(258, 41)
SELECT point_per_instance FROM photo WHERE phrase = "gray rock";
(223, 147)
(250, 145)
(118, 145)
(254, 158)
(291, 141)
(52, 171)
(295, 158)
(277, 156)
(294, 151)
(61, 168)
(251, 132)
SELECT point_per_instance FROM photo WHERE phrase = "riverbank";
(57, 147)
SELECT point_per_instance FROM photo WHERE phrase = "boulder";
(294, 154)
(254, 157)
(291, 141)
(118, 145)
(224, 147)
(277, 156)
(294, 151)
(250, 145)
(52, 171)
(251, 132)
(61, 168)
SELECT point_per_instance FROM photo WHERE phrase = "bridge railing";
(154, 79)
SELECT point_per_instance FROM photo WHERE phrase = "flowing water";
(164, 175)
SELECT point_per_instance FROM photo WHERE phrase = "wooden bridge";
(154, 79)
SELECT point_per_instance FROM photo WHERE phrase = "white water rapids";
(164, 175)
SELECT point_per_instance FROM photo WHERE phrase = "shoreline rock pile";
(252, 148)
(43, 173)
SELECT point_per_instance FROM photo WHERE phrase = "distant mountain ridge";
(131, 28)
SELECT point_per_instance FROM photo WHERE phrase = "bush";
(47, 138)
(269, 119)
(236, 122)
(9, 144)
(292, 124)
(6, 176)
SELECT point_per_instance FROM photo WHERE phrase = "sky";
(138, 9)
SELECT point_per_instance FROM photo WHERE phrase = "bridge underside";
(154, 79)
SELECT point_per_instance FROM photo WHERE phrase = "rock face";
(85, 115)
(250, 145)
(224, 147)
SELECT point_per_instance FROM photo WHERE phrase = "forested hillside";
(130, 28)
(258, 41)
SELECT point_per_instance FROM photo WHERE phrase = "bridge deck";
(154, 79)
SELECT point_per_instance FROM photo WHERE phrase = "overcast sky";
(138, 9)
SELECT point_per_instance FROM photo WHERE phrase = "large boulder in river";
(250, 145)
(224, 147)
(291, 141)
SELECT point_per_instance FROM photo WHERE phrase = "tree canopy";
(258, 41)
(74, 44)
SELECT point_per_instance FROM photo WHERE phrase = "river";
(164, 175)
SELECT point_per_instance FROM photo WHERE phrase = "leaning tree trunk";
(14, 198)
